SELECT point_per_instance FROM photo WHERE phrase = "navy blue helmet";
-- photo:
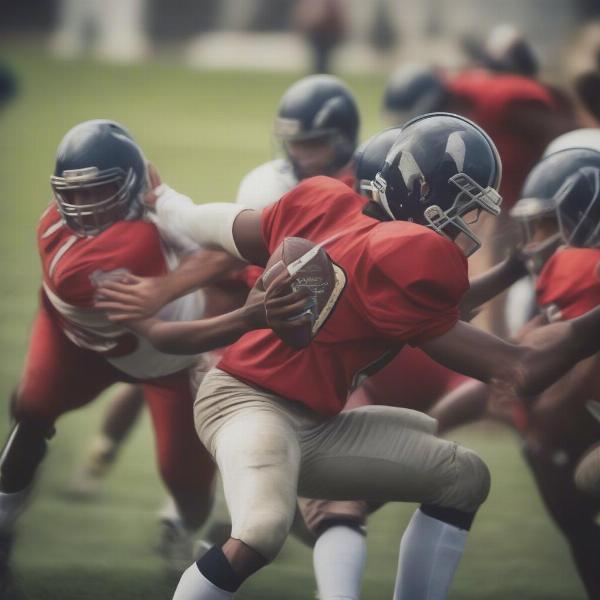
(538, 196)
(96, 156)
(319, 107)
(441, 168)
(577, 200)
(369, 158)
(412, 91)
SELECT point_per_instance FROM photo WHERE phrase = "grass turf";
(204, 130)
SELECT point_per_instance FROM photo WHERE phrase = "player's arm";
(132, 297)
(522, 370)
(270, 309)
(501, 276)
(222, 225)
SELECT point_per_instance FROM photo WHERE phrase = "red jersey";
(403, 283)
(569, 284)
(72, 267)
(492, 101)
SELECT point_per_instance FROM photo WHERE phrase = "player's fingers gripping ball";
(301, 267)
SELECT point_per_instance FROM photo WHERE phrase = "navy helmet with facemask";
(369, 158)
(578, 206)
(550, 179)
(441, 171)
(319, 107)
(98, 155)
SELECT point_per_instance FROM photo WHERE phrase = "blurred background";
(197, 82)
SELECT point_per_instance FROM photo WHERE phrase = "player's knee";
(265, 533)
(473, 480)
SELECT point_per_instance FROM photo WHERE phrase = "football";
(310, 267)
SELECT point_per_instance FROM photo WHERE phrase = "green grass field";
(203, 130)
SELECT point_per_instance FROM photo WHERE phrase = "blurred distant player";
(117, 29)
(317, 126)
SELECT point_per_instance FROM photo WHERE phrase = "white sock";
(339, 561)
(430, 551)
(11, 506)
(194, 586)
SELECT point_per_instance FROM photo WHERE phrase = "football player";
(95, 231)
(271, 415)
(317, 126)
(340, 549)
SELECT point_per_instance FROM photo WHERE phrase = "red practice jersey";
(401, 283)
(492, 101)
(73, 266)
(569, 284)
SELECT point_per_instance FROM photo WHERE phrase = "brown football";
(310, 267)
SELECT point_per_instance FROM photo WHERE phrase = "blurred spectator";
(323, 24)
(112, 29)
(504, 50)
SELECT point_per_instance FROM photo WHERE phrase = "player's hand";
(278, 307)
(130, 298)
(154, 183)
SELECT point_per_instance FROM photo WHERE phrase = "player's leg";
(185, 466)
(122, 414)
(465, 404)
(573, 511)
(381, 453)
(57, 377)
(340, 549)
(254, 441)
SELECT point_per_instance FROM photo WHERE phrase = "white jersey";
(265, 184)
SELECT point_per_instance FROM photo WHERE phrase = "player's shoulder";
(516, 88)
(568, 262)
(266, 183)
(502, 87)
(404, 238)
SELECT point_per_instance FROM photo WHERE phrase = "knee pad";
(472, 484)
(264, 531)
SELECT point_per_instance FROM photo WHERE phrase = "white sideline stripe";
(61, 252)
(54, 227)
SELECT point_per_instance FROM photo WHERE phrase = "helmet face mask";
(99, 178)
(90, 201)
(578, 208)
(429, 177)
(313, 155)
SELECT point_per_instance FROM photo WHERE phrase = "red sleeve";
(309, 210)
(412, 282)
(569, 284)
(128, 246)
